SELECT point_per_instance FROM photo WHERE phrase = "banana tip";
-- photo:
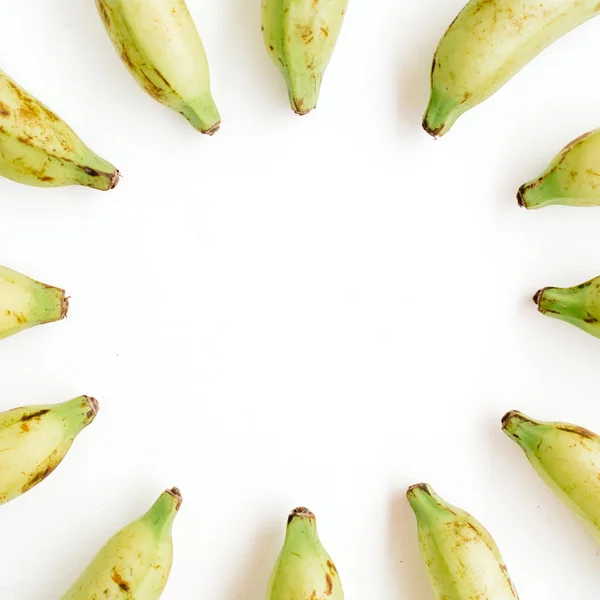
(302, 513)
(434, 133)
(115, 179)
(94, 406)
(177, 495)
(64, 306)
(521, 196)
(424, 487)
(537, 297)
(509, 416)
(212, 130)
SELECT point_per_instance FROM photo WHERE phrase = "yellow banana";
(160, 45)
(487, 44)
(38, 148)
(35, 439)
(566, 457)
(304, 570)
(463, 561)
(571, 179)
(300, 36)
(136, 562)
(25, 303)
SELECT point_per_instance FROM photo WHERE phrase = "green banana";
(578, 305)
(300, 37)
(35, 439)
(136, 562)
(462, 559)
(487, 44)
(571, 179)
(566, 457)
(25, 303)
(160, 45)
(304, 570)
(38, 148)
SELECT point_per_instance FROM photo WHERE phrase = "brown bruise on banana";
(34, 115)
(145, 73)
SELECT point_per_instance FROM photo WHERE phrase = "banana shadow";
(404, 552)
(253, 576)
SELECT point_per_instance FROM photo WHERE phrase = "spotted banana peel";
(25, 302)
(566, 457)
(300, 37)
(38, 148)
(571, 179)
(35, 439)
(487, 44)
(136, 562)
(462, 559)
(304, 570)
(578, 305)
(160, 45)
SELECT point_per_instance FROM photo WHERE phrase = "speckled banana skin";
(136, 562)
(300, 36)
(566, 457)
(35, 439)
(304, 570)
(488, 43)
(571, 179)
(38, 148)
(462, 559)
(25, 302)
(578, 305)
(160, 45)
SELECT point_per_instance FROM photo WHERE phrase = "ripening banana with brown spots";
(304, 570)
(38, 148)
(161, 47)
(35, 439)
(25, 303)
(487, 44)
(136, 562)
(300, 36)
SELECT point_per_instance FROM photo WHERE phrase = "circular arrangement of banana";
(486, 45)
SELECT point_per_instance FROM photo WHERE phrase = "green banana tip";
(521, 196)
(512, 421)
(64, 306)
(537, 297)
(301, 513)
(115, 179)
(415, 490)
(176, 493)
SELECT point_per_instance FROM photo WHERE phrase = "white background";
(318, 310)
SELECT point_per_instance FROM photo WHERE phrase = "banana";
(300, 36)
(38, 148)
(487, 44)
(160, 45)
(25, 303)
(462, 559)
(578, 305)
(571, 179)
(304, 570)
(136, 562)
(566, 457)
(35, 439)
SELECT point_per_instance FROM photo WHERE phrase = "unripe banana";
(487, 44)
(578, 305)
(462, 559)
(300, 36)
(571, 179)
(25, 303)
(304, 570)
(38, 148)
(136, 562)
(160, 45)
(566, 457)
(35, 439)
